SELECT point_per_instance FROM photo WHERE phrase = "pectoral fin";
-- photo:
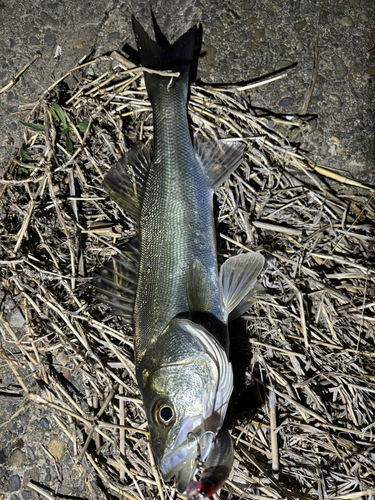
(238, 278)
(126, 180)
(199, 289)
(219, 158)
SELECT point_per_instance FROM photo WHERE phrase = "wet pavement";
(242, 40)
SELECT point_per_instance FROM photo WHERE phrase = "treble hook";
(197, 443)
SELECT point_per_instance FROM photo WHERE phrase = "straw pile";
(303, 413)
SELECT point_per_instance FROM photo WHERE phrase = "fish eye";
(164, 413)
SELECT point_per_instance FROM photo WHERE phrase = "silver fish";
(167, 283)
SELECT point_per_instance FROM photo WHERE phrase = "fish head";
(186, 382)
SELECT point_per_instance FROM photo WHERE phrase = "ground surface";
(241, 41)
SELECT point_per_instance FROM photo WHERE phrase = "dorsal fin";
(238, 277)
(115, 284)
(126, 180)
(218, 158)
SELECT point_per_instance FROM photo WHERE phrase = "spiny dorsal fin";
(238, 276)
(199, 289)
(126, 180)
(115, 284)
(219, 158)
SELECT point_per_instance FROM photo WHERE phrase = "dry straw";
(302, 419)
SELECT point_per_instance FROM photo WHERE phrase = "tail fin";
(176, 57)
(173, 57)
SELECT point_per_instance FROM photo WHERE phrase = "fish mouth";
(190, 449)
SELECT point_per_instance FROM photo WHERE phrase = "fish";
(167, 283)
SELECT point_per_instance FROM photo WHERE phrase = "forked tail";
(175, 58)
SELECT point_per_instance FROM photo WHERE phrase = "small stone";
(282, 130)
(335, 99)
(209, 53)
(357, 72)
(30, 453)
(259, 33)
(50, 40)
(283, 63)
(14, 483)
(335, 140)
(16, 319)
(13, 126)
(299, 46)
(313, 125)
(79, 44)
(188, 12)
(43, 422)
(269, 57)
(324, 17)
(198, 12)
(33, 40)
(12, 43)
(3, 456)
(57, 448)
(47, 19)
(300, 25)
(364, 18)
(113, 37)
(340, 66)
(328, 74)
(286, 101)
(17, 458)
(280, 49)
(30, 475)
(248, 5)
(371, 71)
(346, 21)
(273, 6)
(62, 358)
(25, 495)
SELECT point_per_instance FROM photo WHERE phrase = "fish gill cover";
(302, 414)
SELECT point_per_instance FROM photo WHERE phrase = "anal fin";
(238, 279)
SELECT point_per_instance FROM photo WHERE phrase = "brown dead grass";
(310, 338)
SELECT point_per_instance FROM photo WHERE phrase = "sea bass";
(168, 285)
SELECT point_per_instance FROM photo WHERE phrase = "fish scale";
(171, 227)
